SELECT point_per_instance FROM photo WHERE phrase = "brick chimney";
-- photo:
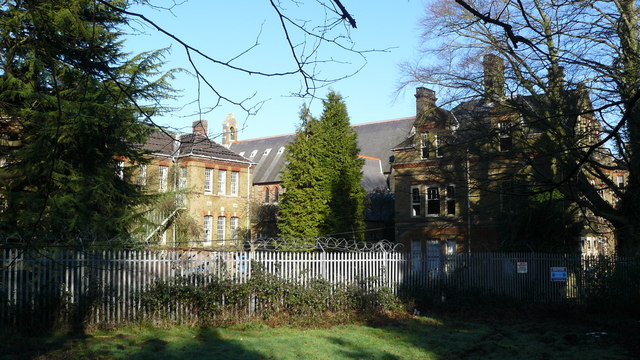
(200, 127)
(425, 104)
(493, 67)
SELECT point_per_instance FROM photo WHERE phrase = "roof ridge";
(384, 121)
(354, 125)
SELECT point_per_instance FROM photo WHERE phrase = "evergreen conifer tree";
(70, 112)
(338, 141)
(305, 204)
(322, 178)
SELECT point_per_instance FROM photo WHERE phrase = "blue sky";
(225, 29)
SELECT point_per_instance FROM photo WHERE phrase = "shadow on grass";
(441, 337)
(156, 344)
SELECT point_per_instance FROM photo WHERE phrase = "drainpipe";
(249, 198)
(468, 206)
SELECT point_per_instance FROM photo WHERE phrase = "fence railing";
(107, 284)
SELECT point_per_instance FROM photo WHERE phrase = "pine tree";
(71, 101)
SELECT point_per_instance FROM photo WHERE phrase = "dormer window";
(505, 141)
(281, 150)
(266, 152)
(424, 145)
(437, 146)
(253, 154)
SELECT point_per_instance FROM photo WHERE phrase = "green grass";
(415, 338)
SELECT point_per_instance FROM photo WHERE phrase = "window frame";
(222, 182)
(504, 136)
(163, 178)
(431, 200)
(208, 230)
(415, 199)
(142, 175)
(221, 224)
(208, 180)
(235, 182)
(424, 145)
(450, 200)
(234, 222)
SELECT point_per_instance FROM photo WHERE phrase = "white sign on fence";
(522, 267)
(558, 273)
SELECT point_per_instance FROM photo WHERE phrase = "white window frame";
(182, 181)
(424, 145)
(432, 195)
(235, 176)
(142, 175)
(220, 229)
(208, 230)
(233, 227)
(416, 203)
(163, 178)
(222, 182)
(620, 181)
(208, 180)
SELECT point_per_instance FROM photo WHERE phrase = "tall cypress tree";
(338, 142)
(322, 177)
(70, 102)
(305, 204)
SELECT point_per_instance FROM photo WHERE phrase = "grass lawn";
(415, 338)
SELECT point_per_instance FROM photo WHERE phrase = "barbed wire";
(323, 244)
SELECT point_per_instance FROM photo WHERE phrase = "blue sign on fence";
(558, 274)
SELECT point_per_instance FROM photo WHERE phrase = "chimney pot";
(200, 127)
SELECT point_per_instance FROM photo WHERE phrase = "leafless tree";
(553, 49)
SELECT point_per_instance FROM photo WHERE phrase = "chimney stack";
(200, 127)
(425, 104)
(493, 67)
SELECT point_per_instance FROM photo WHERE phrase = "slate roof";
(170, 144)
(161, 143)
(200, 145)
(375, 140)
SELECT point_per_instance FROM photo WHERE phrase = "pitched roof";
(200, 145)
(170, 144)
(161, 143)
(375, 140)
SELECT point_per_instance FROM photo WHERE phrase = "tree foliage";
(553, 51)
(322, 177)
(73, 105)
(304, 207)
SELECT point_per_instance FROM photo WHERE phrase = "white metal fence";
(108, 283)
